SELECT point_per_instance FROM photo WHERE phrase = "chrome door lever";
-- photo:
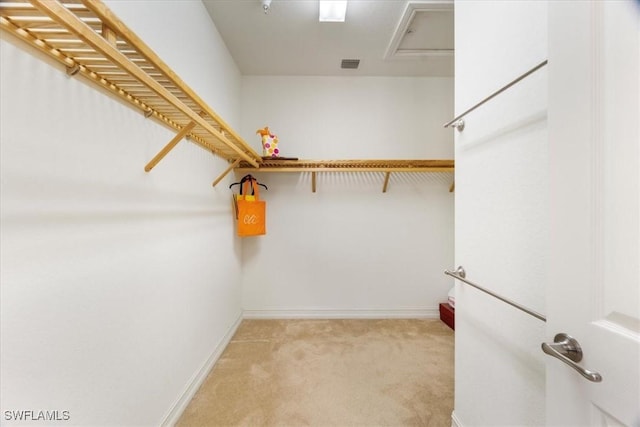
(567, 349)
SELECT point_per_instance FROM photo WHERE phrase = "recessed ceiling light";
(333, 10)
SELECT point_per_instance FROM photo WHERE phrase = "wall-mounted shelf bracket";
(225, 173)
(183, 132)
(73, 69)
(387, 175)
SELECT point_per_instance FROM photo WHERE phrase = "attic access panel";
(425, 29)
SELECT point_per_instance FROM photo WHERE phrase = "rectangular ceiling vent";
(350, 64)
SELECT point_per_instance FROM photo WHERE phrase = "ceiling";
(389, 37)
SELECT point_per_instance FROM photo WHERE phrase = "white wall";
(349, 249)
(117, 285)
(502, 223)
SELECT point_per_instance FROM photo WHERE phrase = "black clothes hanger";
(248, 177)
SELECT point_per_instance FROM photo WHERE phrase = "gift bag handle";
(254, 187)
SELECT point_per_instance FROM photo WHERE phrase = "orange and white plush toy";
(269, 143)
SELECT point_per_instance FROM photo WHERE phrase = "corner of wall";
(176, 410)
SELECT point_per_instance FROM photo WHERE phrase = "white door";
(594, 137)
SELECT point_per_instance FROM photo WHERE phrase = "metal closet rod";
(460, 274)
(498, 92)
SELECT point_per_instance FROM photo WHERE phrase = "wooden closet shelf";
(314, 166)
(349, 166)
(90, 41)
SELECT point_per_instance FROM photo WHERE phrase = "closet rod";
(494, 94)
(461, 275)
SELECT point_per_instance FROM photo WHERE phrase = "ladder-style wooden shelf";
(90, 41)
(314, 166)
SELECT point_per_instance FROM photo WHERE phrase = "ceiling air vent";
(350, 64)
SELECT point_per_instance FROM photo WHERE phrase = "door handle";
(567, 349)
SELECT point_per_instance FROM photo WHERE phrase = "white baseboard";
(455, 422)
(196, 381)
(422, 313)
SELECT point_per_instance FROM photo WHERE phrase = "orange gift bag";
(250, 211)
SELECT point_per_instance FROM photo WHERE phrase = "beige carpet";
(330, 373)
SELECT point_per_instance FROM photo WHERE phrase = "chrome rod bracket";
(459, 271)
(458, 124)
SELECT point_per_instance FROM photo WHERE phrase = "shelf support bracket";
(73, 70)
(386, 181)
(226, 172)
(183, 132)
(313, 182)
(453, 187)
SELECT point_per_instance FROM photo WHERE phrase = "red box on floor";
(448, 315)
